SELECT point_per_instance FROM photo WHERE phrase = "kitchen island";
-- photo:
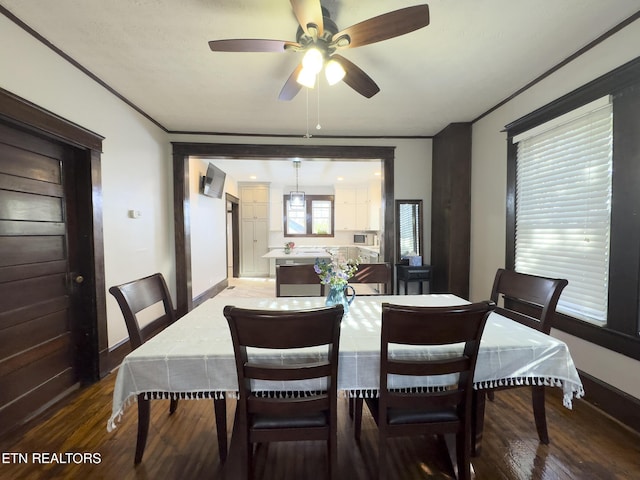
(297, 255)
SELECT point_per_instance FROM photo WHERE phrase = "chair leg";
(478, 400)
(463, 454)
(220, 410)
(357, 417)
(382, 457)
(332, 452)
(173, 406)
(143, 427)
(539, 414)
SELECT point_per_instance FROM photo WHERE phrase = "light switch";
(135, 213)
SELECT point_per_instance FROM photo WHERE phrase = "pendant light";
(296, 198)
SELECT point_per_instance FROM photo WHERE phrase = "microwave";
(362, 239)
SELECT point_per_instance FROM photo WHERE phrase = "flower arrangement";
(288, 247)
(336, 272)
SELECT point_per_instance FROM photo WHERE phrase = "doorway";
(182, 152)
(233, 236)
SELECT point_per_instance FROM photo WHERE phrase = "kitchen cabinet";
(375, 205)
(254, 230)
(352, 210)
(276, 209)
(344, 208)
(255, 193)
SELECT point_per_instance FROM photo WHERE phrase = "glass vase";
(338, 295)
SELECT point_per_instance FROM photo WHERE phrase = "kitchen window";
(314, 218)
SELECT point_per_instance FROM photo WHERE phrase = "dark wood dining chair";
(415, 411)
(297, 275)
(134, 297)
(374, 273)
(530, 300)
(277, 416)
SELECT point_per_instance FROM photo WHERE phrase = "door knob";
(78, 279)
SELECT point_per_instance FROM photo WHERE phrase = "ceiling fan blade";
(383, 27)
(356, 78)
(308, 12)
(250, 45)
(291, 86)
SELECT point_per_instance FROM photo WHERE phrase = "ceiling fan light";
(334, 72)
(306, 78)
(313, 60)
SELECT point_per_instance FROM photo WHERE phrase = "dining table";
(193, 358)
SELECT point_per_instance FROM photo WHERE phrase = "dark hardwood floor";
(584, 445)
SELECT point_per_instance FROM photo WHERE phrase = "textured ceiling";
(474, 54)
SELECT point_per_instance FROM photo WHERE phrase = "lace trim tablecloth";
(193, 358)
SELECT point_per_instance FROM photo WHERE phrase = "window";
(312, 219)
(563, 206)
(619, 328)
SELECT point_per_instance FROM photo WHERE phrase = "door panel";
(29, 206)
(28, 334)
(38, 333)
(36, 165)
(31, 249)
(48, 361)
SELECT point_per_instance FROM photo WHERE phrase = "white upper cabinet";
(357, 207)
(276, 208)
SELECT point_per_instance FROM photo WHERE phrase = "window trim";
(308, 216)
(623, 83)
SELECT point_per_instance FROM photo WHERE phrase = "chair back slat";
(301, 406)
(434, 367)
(528, 299)
(432, 399)
(294, 371)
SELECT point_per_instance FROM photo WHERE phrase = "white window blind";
(408, 230)
(563, 207)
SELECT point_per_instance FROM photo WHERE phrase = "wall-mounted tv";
(213, 182)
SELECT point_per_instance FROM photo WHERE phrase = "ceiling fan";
(319, 38)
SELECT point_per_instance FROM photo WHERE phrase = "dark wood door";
(38, 334)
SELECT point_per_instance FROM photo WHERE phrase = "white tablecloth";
(193, 358)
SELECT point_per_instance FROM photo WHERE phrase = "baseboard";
(211, 292)
(617, 404)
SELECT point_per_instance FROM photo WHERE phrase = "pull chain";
(307, 135)
(318, 126)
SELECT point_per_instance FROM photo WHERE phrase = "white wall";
(136, 168)
(208, 232)
(488, 192)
